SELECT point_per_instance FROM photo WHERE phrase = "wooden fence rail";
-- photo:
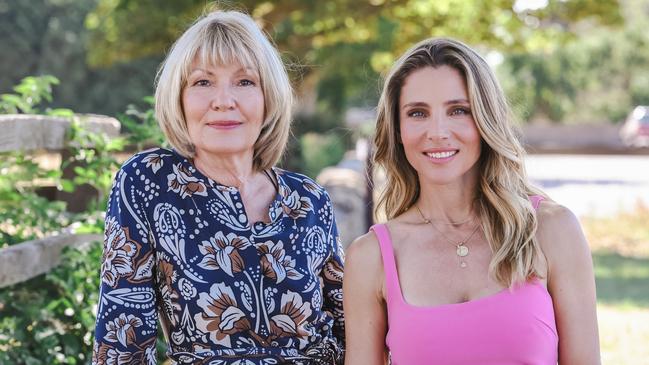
(40, 134)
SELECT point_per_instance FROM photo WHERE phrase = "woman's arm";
(126, 327)
(365, 311)
(571, 284)
(332, 280)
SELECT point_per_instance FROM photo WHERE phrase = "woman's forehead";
(200, 64)
(216, 53)
(209, 65)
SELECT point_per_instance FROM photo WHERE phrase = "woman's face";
(438, 132)
(224, 109)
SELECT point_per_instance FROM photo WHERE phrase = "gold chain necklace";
(461, 249)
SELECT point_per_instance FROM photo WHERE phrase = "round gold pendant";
(462, 250)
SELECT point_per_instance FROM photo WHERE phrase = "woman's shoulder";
(369, 246)
(560, 235)
(365, 244)
(363, 255)
(295, 181)
(151, 162)
(554, 217)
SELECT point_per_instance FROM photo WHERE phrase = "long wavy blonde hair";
(508, 218)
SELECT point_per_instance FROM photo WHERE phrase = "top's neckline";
(479, 300)
(280, 189)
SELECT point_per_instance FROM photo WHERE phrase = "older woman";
(474, 265)
(238, 259)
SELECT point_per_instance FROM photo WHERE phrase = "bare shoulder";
(364, 253)
(364, 265)
(560, 236)
(557, 221)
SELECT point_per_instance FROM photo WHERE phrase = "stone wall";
(347, 186)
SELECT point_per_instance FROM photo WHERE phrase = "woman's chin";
(220, 150)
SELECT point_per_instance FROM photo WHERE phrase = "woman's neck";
(235, 171)
(452, 203)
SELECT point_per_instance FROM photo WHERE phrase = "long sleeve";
(332, 275)
(126, 327)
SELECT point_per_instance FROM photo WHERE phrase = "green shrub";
(49, 319)
(141, 127)
(24, 215)
(320, 151)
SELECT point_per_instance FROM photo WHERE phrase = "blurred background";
(76, 79)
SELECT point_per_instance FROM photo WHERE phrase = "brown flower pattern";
(119, 251)
(296, 206)
(222, 252)
(292, 319)
(181, 181)
(180, 253)
(122, 329)
(275, 264)
(221, 315)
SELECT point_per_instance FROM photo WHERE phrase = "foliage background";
(578, 60)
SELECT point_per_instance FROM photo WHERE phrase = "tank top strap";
(389, 264)
(536, 201)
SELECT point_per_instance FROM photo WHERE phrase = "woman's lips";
(224, 124)
(441, 156)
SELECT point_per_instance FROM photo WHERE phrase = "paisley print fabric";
(179, 248)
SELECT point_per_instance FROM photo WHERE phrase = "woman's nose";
(222, 99)
(437, 127)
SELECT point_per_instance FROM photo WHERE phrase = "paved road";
(593, 185)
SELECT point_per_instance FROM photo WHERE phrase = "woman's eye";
(202, 82)
(416, 114)
(460, 111)
(246, 82)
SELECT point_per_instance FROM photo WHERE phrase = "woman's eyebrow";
(456, 101)
(415, 104)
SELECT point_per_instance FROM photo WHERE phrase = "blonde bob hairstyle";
(501, 200)
(222, 38)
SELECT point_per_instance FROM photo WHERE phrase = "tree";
(598, 76)
(345, 44)
(48, 37)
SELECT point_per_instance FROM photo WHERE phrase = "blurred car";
(635, 130)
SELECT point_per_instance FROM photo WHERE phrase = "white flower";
(292, 319)
(296, 206)
(122, 329)
(119, 251)
(222, 252)
(220, 316)
(182, 182)
(275, 264)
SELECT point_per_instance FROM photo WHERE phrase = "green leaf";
(60, 112)
(67, 185)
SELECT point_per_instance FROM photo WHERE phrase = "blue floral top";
(178, 247)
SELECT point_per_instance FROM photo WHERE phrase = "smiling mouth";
(224, 124)
(444, 154)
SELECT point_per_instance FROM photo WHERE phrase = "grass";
(622, 280)
(620, 247)
(623, 334)
(626, 234)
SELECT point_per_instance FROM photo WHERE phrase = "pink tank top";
(506, 328)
